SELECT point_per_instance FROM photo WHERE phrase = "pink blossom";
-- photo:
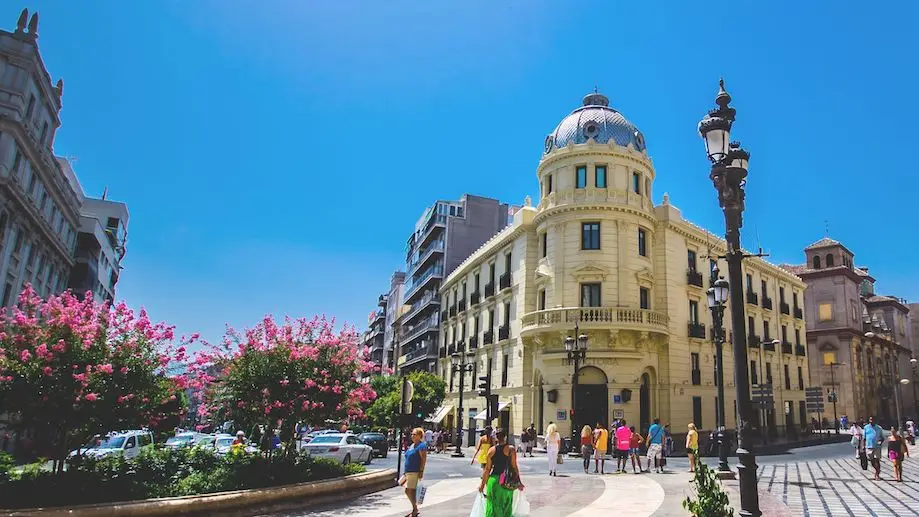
(41, 350)
(25, 355)
(92, 397)
(124, 370)
(47, 371)
(105, 368)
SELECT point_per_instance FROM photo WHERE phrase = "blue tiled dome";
(595, 119)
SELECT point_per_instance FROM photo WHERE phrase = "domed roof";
(595, 119)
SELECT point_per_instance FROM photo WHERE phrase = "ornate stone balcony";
(587, 318)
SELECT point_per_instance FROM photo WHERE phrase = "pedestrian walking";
(692, 445)
(874, 437)
(601, 441)
(635, 450)
(525, 440)
(553, 444)
(481, 449)
(587, 446)
(655, 441)
(500, 478)
(416, 456)
(897, 451)
(668, 441)
(858, 439)
(623, 444)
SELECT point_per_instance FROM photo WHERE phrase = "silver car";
(343, 447)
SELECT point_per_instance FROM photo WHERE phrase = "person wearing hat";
(240, 438)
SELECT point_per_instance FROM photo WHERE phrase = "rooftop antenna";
(826, 227)
(104, 193)
(595, 89)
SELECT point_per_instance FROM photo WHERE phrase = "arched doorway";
(644, 403)
(592, 400)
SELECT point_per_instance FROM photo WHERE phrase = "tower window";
(829, 261)
(545, 245)
(549, 184)
(590, 295)
(581, 176)
(642, 243)
(590, 236)
(636, 183)
(600, 179)
(816, 262)
(644, 297)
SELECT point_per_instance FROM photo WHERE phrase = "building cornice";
(546, 213)
(887, 301)
(591, 148)
(522, 220)
(834, 271)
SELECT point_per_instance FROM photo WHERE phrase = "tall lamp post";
(460, 366)
(728, 174)
(717, 297)
(914, 364)
(577, 352)
(834, 395)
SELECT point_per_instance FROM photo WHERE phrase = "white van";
(127, 443)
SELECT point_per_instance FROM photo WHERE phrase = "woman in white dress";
(553, 444)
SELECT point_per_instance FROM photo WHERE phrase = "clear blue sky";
(275, 155)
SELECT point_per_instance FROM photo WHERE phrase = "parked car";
(377, 441)
(346, 448)
(127, 443)
(184, 440)
(224, 442)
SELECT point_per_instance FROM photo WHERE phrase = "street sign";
(561, 414)
(814, 399)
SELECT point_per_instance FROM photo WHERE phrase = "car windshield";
(180, 439)
(326, 439)
(372, 436)
(224, 442)
(115, 442)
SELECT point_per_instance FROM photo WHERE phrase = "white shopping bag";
(419, 492)
(521, 507)
(478, 506)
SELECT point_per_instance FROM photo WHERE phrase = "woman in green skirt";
(499, 500)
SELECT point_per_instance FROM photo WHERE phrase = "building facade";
(447, 233)
(595, 256)
(39, 208)
(858, 341)
(394, 307)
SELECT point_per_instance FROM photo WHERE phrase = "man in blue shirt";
(874, 440)
(655, 442)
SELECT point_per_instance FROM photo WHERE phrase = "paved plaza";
(820, 481)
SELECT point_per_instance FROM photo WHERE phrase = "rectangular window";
(549, 183)
(768, 373)
(825, 312)
(691, 259)
(590, 236)
(507, 314)
(751, 326)
(476, 283)
(475, 326)
(787, 379)
(600, 176)
(697, 412)
(644, 298)
(784, 334)
(782, 294)
(464, 291)
(16, 162)
(694, 360)
(794, 299)
(581, 176)
(491, 319)
(44, 133)
(763, 284)
(31, 107)
(491, 273)
(642, 244)
(694, 312)
(541, 301)
(590, 295)
(636, 183)
(749, 282)
(766, 335)
(463, 331)
(754, 378)
(829, 358)
(504, 371)
(800, 378)
(797, 336)
(507, 262)
(544, 248)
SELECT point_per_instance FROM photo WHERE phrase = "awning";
(440, 414)
(501, 407)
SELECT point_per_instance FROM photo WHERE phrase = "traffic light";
(485, 385)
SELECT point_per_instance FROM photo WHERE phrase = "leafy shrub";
(7, 462)
(161, 472)
(711, 500)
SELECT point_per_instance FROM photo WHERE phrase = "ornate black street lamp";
(717, 297)
(577, 352)
(728, 174)
(460, 366)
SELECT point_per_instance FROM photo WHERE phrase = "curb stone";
(238, 502)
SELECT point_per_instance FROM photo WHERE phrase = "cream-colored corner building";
(596, 253)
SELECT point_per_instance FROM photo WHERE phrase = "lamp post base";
(458, 454)
(726, 474)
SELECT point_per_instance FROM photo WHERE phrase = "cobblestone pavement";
(839, 487)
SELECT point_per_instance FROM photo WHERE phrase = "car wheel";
(369, 458)
(347, 459)
(385, 454)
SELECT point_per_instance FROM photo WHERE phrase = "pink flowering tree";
(283, 373)
(71, 368)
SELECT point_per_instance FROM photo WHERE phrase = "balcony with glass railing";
(411, 333)
(433, 249)
(429, 298)
(435, 271)
(424, 351)
(433, 228)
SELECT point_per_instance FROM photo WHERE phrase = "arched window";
(829, 260)
(816, 262)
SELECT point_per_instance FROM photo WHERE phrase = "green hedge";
(159, 472)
